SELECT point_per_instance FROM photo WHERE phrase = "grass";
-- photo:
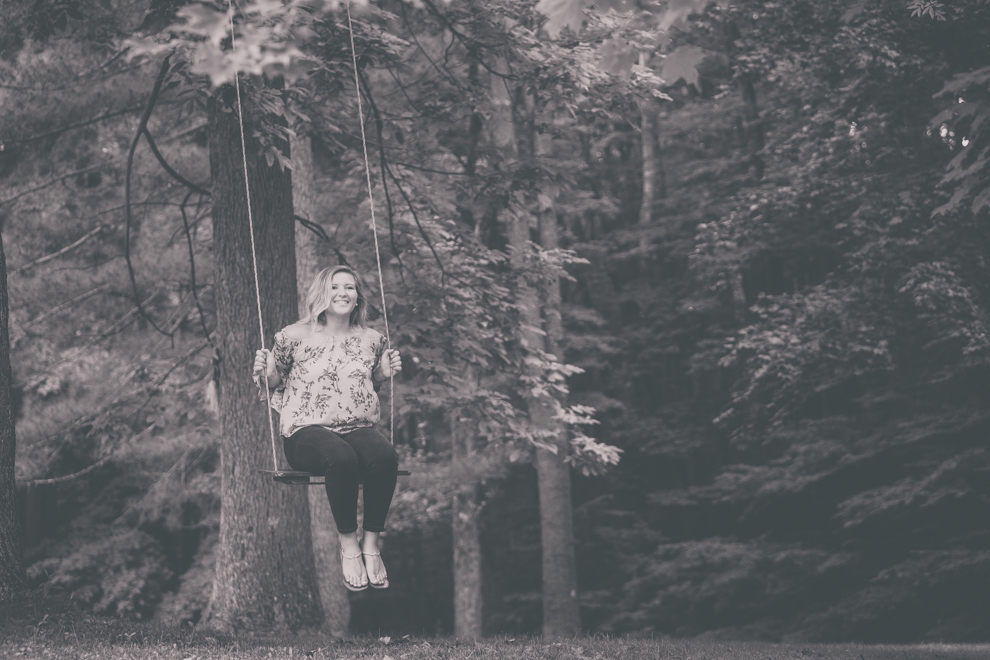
(30, 632)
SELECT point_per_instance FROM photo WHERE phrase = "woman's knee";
(388, 459)
(375, 449)
(340, 457)
(382, 456)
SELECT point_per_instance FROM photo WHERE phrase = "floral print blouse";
(327, 381)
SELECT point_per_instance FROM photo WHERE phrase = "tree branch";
(192, 264)
(52, 182)
(64, 129)
(412, 33)
(67, 303)
(318, 230)
(59, 253)
(422, 231)
(115, 326)
(159, 79)
(427, 169)
(168, 168)
(70, 477)
(79, 77)
(471, 45)
(182, 360)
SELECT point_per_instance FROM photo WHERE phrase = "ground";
(54, 629)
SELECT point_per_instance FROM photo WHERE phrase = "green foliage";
(120, 574)
(800, 348)
(152, 522)
(733, 583)
(186, 604)
(267, 40)
(963, 127)
(930, 8)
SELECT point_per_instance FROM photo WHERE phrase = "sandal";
(375, 585)
(346, 583)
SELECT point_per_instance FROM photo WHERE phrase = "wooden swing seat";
(298, 478)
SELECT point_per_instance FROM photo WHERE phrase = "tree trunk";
(738, 294)
(11, 570)
(561, 611)
(752, 133)
(561, 615)
(308, 261)
(264, 554)
(651, 166)
(326, 543)
(466, 532)
(513, 133)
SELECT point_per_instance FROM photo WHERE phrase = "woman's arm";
(264, 366)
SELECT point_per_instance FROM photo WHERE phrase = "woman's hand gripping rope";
(264, 367)
(390, 364)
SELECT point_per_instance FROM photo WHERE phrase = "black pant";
(346, 459)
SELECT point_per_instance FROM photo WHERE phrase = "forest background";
(773, 217)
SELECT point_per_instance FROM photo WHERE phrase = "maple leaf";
(617, 56)
(682, 62)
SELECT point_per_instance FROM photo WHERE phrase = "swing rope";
(254, 252)
(374, 228)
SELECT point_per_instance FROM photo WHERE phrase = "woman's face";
(343, 294)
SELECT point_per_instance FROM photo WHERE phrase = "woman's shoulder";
(372, 334)
(296, 332)
(375, 341)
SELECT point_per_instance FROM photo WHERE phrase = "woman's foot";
(352, 564)
(377, 576)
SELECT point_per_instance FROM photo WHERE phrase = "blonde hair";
(321, 293)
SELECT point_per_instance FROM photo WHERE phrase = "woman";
(323, 373)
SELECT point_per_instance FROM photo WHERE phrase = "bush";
(123, 574)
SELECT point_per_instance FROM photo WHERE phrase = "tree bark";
(11, 569)
(466, 532)
(264, 555)
(309, 262)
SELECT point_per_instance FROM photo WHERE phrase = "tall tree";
(561, 613)
(264, 556)
(513, 133)
(264, 563)
(466, 529)
(11, 571)
(309, 262)
(561, 616)
(652, 173)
